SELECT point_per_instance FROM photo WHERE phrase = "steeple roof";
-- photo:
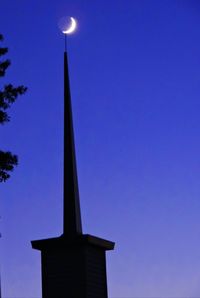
(72, 227)
(72, 214)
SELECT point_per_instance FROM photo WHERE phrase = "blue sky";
(135, 84)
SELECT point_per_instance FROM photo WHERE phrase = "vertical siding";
(63, 274)
(96, 273)
(74, 273)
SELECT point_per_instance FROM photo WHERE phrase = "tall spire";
(72, 214)
(73, 264)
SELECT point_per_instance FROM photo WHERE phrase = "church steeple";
(72, 214)
(73, 264)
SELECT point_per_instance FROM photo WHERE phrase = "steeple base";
(74, 268)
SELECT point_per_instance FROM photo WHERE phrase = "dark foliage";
(8, 95)
(4, 63)
(7, 163)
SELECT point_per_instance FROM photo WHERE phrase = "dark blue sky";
(135, 84)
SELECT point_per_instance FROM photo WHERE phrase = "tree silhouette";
(8, 95)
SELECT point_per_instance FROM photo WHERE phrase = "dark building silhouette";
(74, 264)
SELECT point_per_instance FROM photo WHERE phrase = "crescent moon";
(72, 27)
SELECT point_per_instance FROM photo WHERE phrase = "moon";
(72, 27)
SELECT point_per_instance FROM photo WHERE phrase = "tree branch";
(7, 163)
